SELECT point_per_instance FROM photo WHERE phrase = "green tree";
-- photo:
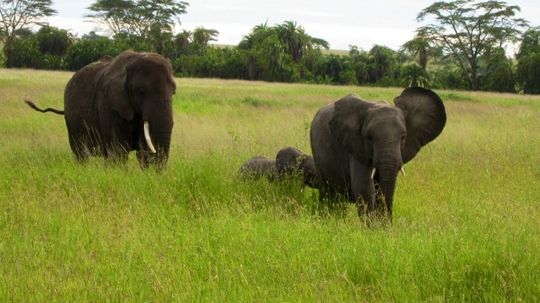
(53, 41)
(250, 48)
(383, 60)
(18, 14)
(530, 42)
(161, 41)
(528, 68)
(25, 53)
(419, 46)
(202, 36)
(182, 41)
(284, 52)
(361, 63)
(413, 75)
(498, 73)
(334, 69)
(137, 18)
(90, 48)
(297, 42)
(467, 29)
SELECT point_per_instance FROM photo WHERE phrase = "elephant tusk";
(402, 171)
(147, 137)
(373, 173)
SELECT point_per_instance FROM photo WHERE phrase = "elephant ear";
(116, 92)
(347, 122)
(425, 118)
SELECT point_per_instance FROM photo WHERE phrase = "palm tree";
(256, 36)
(419, 46)
(201, 36)
(296, 41)
(182, 41)
(413, 75)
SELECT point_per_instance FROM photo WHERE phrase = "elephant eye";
(140, 91)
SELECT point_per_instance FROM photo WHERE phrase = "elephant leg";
(144, 158)
(78, 140)
(380, 204)
(116, 153)
(362, 187)
(79, 149)
(324, 194)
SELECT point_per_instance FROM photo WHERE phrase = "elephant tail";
(34, 106)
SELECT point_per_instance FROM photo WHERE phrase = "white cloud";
(77, 26)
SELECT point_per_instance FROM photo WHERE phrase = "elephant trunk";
(164, 142)
(388, 166)
(158, 124)
(387, 183)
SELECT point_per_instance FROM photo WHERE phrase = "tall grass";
(465, 228)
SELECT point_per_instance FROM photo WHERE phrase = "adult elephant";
(359, 147)
(120, 104)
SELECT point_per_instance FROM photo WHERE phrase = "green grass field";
(466, 218)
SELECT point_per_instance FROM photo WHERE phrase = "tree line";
(462, 47)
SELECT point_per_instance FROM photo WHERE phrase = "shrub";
(498, 74)
(90, 49)
(24, 53)
(53, 41)
(529, 73)
(449, 77)
(413, 75)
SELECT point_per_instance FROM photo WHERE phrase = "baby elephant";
(289, 162)
(258, 167)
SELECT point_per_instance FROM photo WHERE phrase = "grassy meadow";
(466, 217)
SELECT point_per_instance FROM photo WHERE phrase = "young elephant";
(291, 161)
(120, 104)
(258, 167)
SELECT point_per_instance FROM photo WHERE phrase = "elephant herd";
(121, 104)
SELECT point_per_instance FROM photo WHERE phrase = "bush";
(334, 69)
(449, 77)
(498, 75)
(53, 41)
(24, 53)
(2, 58)
(529, 73)
(412, 75)
(90, 49)
(51, 62)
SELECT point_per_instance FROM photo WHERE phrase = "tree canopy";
(528, 68)
(467, 29)
(137, 17)
(18, 14)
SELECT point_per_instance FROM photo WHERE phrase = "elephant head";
(291, 161)
(310, 174)
(382, 138)
(139, 88)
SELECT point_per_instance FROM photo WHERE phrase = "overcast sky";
(340, 22)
